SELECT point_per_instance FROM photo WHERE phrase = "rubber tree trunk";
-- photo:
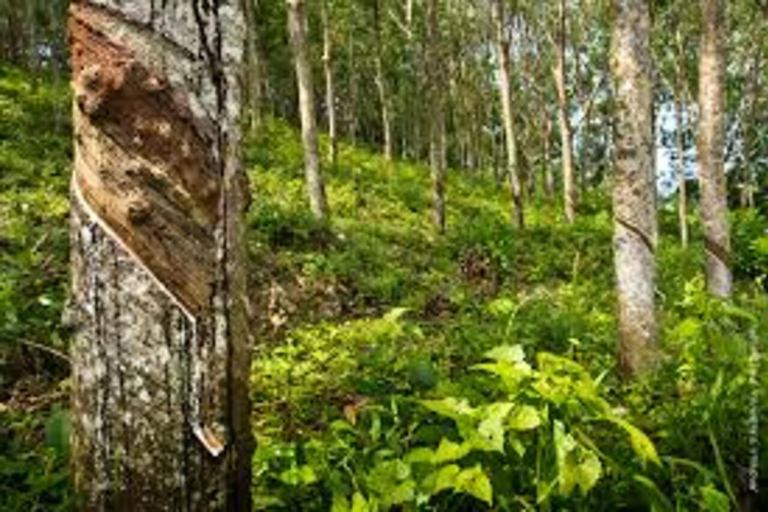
(634, 239)
(437, 132)
(566, 132)
(330, 95)
(297, 29)
(505, 90)
(253, 93)
(549, 177)
(682, 193)
(381, 87)
(160, 352)
(711, 146)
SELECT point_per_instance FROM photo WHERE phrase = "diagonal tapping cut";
(144, 167)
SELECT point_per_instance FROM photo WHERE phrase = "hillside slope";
(369, 328)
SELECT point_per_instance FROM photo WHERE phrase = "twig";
(44, 348)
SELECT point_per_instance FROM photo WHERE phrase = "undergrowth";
(399, 369)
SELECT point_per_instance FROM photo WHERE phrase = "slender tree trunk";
(549, 177)
(330, 95)
(437, 132)
(253, 94)
(352, 108)
(711, 146)
(381, 87)
(682, 194)
(513, 171)
(634, 209)
(749, 183)
(566, 132)
(681, 116)
(297, 23)
(160, 353)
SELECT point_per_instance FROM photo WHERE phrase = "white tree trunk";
(711, 146)
(505, 90)
(566, 132)
(437, 131)
(297, 28)
(160, 352)
(634, 209)
(330, 94)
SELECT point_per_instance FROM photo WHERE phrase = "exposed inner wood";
(143, 164)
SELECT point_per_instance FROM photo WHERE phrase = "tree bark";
(253, 93)
(381, 87)
(682, 193)
(549, 177)
(711, 142)
(505, 90)
(297, 28)
(330, 95)
(634, 210)
(161, 350)
(437, 132)
(566, 132)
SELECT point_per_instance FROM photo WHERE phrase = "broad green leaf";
(491, 428)
(419, 455)
(298, 475)
(641, 444)
(448, 451)
(339, 503)
(508, 353)
(403, 493)
(450, 407)
(511, 374)
(576, 464)
(524, 417)
(714, 500)
(445, 478)
(359, 504)
(475, 482)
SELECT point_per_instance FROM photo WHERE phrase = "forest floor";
(369, 323)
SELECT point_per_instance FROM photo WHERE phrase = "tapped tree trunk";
(297, 28)
(513, 171)
(437, 133)
(634, 210)
(711, 146)
(566, 132)
(330, 95)
(161, 350)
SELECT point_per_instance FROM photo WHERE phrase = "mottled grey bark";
(160, 352)
(711, 146)
(634, 210)
(437, 132)
(297, 28)
(381, 87)
(505, 90)
(549, 177)
(566, 131)
(254, 90)
(682, 194)
(330, 94)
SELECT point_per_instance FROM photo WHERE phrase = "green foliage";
(390, 370)
(35, 480)
(529, 441)
(34, 170)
